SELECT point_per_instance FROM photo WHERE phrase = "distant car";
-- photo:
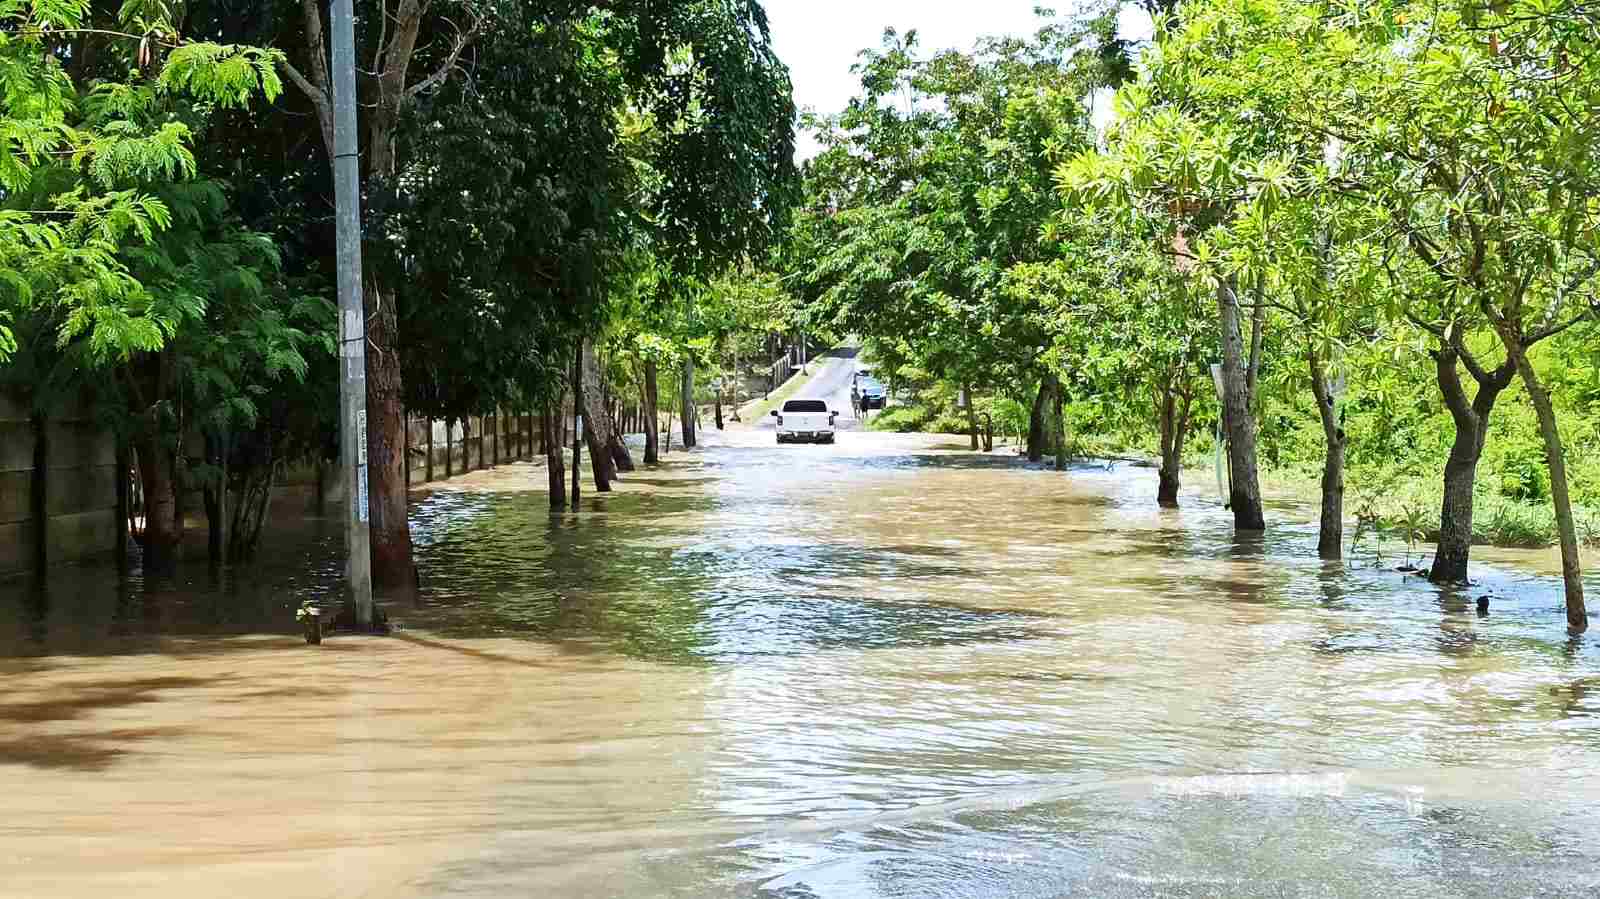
(804, 421)
(873, 396)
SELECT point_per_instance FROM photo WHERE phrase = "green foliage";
(76, 169)
(932, 185)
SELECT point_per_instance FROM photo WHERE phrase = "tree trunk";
(1060, 434)
(1555, 458)
(611, 448)
(123, 503)
(688, 402)
(216, 507)
(1036, 421)
(555, 467)
(717, 407)
(163, 533)
(600, 463)
(1330, 532)
(1171, 474)
(621, 458)
(391, 532)
(1461, 468)
(597, 430)
(449, 450)
(652, 415)
(1239, 421)
(972, 414)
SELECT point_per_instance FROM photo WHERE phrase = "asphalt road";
(829, 381)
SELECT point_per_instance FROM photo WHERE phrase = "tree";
(1179, 159)
(399, 67)
(1468, 132)
(934, 183)
(79, 156)
(130, 277)
(1129, 328)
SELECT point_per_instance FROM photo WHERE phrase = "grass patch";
(1396, 501)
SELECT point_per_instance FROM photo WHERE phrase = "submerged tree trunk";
(1174, 422)
(1060, 432)
(1238, 420)
(688, 403)
(597, 427)
(609, 428)
(738, 383)
(1555, 458)
(600, 464)
(163, 534)
(216, 501)
(391, 532)
(716, 392)
(652, 415)
(555, 465)
(251, 504)
(1461, 468)
(1036, 425)
(621, 458)
(124, 502)
(972, 415)
(1330, 531)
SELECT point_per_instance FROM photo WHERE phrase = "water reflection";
(876, 669)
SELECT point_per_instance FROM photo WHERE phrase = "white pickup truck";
(804, 420)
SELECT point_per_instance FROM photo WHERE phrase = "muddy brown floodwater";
(883, 668)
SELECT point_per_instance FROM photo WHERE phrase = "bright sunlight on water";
(883, 668)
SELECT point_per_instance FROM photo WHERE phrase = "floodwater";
(887, 668)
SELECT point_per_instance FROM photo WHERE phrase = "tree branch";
(1435, 330)
(1258, 319)
(383, 34)
(306, 87)
(1553, 330)
(1548, 328)
(319, 88)
(463, 38)
(1455, 398)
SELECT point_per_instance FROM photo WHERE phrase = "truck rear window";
(805, 406)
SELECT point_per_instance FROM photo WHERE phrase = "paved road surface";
(829, 381)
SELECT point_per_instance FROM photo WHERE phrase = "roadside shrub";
(902, 419)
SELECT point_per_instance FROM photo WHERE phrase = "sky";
(819, 39)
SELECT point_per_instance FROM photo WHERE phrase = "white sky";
(819, 39)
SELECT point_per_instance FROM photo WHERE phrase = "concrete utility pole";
(352, 318)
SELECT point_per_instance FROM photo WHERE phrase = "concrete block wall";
(300, 485)
(81, 486)
(473, 451)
